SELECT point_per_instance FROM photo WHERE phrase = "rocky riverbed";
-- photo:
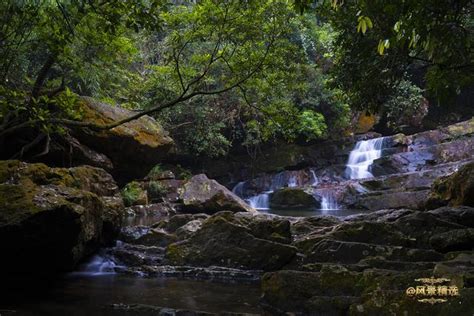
(144, 248)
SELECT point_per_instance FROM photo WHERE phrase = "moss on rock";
(134, 194)
(454, 190)
(53, 216)
(292, 198)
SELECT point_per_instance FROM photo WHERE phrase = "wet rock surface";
(402, 177)
(293, 198)
(55, 217)
(321, 265)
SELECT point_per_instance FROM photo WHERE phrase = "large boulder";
(226, 240)
(202, 195)
(54, 217)
(454, 190)
(142, 141)
(292, 198)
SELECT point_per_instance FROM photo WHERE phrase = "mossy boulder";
(54, 217)
(293, 198)
(222, 240)
(142, 141)
(202, 195)
(454, 190)
(134, 194)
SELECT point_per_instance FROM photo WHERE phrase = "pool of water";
(93, 295)
(312, 212)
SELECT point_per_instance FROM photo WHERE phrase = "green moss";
(183, 173)
(133, 193)
(175, 255)
(7, 168)
(155, 171)
(454, 190)
(156, 190)
(16, 201)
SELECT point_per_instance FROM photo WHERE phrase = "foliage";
(183, 173)
(406, 106)
(51, 50)
(208, 69)
(156, 170)
(377, 42)
(156, 190)
(288, 99)
(131, 193)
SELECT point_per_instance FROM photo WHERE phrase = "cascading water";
(278, 181)
(328, 201)
(292, 182)
(100, 264)
(362, 157)
(239, 189)
(261, 201)
(315, 178)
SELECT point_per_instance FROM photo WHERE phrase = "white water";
(278, 181)
(292, 183)
(98, 265)
(328, 201)
(362, 157)
(261, 201)
(315, 178)
(239, 189)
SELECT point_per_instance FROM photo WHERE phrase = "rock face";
(227, 240)
(53, 217)
(142, 141)
(321, 265)
(454, 190)
(363, 264)
(202, 195)
(403, 176)
(293, 198)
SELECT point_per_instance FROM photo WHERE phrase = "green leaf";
(381, 47)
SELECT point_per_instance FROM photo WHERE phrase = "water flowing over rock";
(260, 201)
(362, 157)
(54, 217)
(328, 201)
(385, 172)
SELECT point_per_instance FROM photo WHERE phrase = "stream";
(97, 289)
(96, 295)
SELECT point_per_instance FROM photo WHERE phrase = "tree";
(155, 57)
(379, 43)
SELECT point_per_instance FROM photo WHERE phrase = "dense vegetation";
(220, 74)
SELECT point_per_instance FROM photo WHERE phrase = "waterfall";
(261, 201)
(278, 181)
(328, 201)
(362, 157)
(98, 265)
(239, 189)
(315, 178)
(292, 182)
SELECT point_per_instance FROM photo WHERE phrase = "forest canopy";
(224, 74)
